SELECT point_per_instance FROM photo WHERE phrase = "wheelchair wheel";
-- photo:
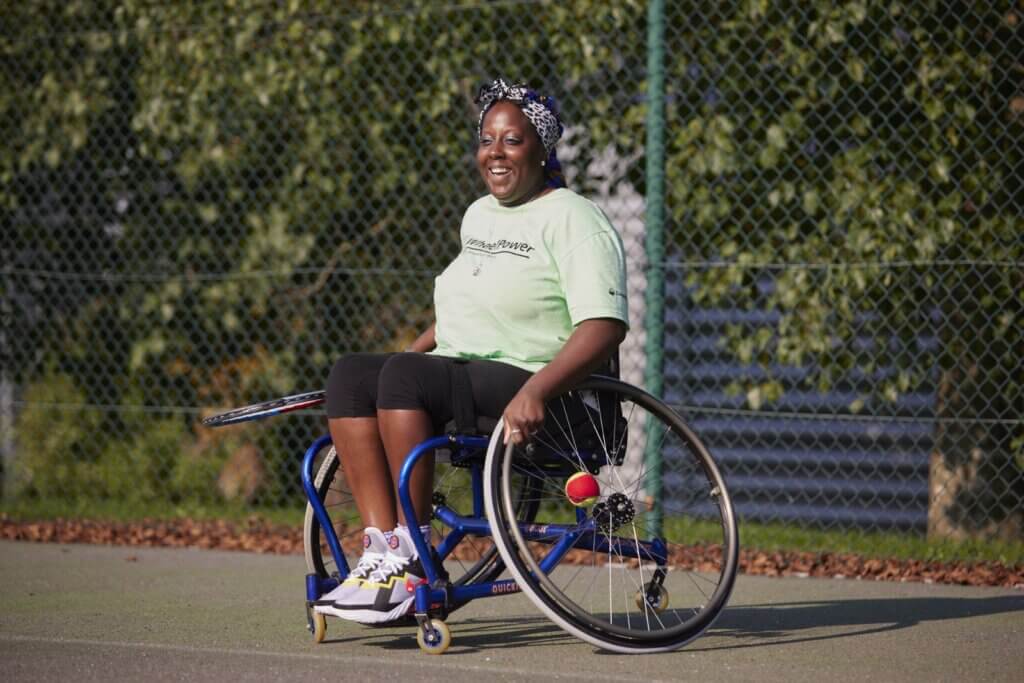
(474, 559)
(341, 507)
(614, 568)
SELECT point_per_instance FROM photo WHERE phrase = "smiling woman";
(511, 156)
(531, 306)
(519, 127)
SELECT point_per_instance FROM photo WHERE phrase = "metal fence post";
(654, 244)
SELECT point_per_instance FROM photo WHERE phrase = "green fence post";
(654, 246)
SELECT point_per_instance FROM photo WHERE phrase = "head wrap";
(541, 111)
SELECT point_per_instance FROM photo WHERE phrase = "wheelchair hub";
(614, 512)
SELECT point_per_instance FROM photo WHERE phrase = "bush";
(69, 450)
(55, 440)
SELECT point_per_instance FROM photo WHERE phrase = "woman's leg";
(352, 420)
(400, 431)
(365, 464)
(414, 400)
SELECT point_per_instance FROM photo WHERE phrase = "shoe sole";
(369, 616)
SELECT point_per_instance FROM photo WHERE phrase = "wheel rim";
(699, 506)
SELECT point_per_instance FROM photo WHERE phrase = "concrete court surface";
(93, 613)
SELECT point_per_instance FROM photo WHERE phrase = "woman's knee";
(351, 389)
(408, 381)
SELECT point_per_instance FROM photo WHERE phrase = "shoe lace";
(367, 563)
(390, 564)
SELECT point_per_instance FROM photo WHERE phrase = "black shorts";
(360, 384)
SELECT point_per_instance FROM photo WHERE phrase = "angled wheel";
(603, 570)
(333, 491)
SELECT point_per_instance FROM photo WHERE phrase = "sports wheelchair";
(643, 562)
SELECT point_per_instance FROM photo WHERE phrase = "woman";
(533, 304)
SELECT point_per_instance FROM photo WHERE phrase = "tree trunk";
(976, 487)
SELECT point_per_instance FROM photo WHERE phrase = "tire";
(474, 560)
(341, 508)
(599, 591)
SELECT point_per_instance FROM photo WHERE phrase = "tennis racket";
(258, 411)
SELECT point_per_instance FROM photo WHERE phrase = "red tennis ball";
(582, 489)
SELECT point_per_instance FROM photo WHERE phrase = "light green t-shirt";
(526, 276)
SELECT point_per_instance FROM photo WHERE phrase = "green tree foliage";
(875, 140)
(867, 157)
(244, 190)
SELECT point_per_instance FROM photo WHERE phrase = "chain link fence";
(204, 204)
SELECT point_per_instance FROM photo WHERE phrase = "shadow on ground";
(477, 634)
(795, 622)
(743, 626)
(468, 635)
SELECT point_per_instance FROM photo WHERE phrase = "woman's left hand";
(523, 416)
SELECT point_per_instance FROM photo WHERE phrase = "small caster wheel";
(319, 627)
(654, 596)
(435, 639)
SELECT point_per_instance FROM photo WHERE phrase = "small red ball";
(582, 489)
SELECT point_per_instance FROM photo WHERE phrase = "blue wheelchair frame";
(433, 592)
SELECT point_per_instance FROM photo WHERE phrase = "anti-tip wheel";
(435, 639)
(656, 598)
(319, 627)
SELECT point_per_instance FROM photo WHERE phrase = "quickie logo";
(502, 588)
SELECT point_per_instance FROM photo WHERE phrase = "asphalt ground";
(96, 613)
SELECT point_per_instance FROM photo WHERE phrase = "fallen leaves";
(253, 535)
(850, 566)
(256, 535)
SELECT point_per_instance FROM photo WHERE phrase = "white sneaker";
(389, 591)
(375, 549)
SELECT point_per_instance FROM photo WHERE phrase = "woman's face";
(510, 156)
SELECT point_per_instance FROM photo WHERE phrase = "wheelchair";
(643, 563)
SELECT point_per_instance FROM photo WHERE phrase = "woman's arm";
(425, 342)
(588, 347)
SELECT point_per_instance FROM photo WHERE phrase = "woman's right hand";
(523, 415)
(590, 344)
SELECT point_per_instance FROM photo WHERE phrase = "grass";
(782, 537)
(753, 535)
(881, 544)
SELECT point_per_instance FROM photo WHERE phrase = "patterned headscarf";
(541, 111)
